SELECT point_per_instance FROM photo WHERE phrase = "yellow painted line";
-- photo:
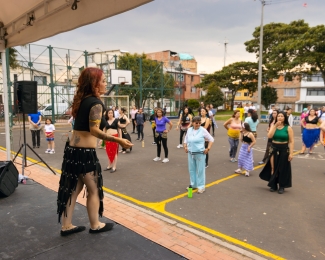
(160, 207)
(31, 160)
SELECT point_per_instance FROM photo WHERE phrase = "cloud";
(197, 27)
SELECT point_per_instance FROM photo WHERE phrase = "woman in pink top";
(133, 111)
(302, 116)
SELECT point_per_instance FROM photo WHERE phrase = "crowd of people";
(81, 166)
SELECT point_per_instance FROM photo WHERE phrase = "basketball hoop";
(123, 83)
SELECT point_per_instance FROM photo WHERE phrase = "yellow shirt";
(241, 110)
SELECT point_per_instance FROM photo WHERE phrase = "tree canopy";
(293, 48)
(214, 95)
(269, 96)
(236, 76)
(153, 81)
(13, 63)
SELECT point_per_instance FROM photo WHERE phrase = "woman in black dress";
(123, 122)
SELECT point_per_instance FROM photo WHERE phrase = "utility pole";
(259, 86)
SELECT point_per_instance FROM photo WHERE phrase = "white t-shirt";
(252, 107)
(49, 128)
(270, 111)
(246, 109)
(116, 114)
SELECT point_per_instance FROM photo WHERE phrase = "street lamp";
(259, 84)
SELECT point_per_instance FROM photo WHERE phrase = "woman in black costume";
(277, 170)
(80, 163)
(123, 122)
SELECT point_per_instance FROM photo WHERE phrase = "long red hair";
(88, 85)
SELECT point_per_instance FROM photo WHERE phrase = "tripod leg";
(39, 157)
(13, 160)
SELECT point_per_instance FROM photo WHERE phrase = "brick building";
(183, 68)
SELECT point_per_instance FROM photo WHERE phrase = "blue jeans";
(140, 131)
(196, 168)
(233, 147)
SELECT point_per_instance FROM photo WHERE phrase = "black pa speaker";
(25, 97)
(8, 178)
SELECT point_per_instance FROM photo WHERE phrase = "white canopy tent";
(26, 21)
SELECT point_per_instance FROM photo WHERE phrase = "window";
(193, 89)
(289, 92)
(315, 92)
(192, 78)
(41, 80)
(246, 94)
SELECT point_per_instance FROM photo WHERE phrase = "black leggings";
(154, 134)
(181, 134)
(140, 131)
(212, 128)
(133, 125)
(160, 140)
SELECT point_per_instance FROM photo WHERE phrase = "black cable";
(74, 6)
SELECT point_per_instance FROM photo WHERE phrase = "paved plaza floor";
(235, 209)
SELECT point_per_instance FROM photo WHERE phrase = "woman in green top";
(277, 170)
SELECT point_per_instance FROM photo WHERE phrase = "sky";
(197, 27)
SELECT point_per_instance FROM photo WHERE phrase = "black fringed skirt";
(77, 161)
(282, 167)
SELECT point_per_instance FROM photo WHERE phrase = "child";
(245, 157)
(49, 129)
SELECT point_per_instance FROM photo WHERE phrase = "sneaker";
(157, 159)
(200, 191)
(165, 160)
(153, 143)
(261, 162)
(238, 171)
(206, 166)
(179, 146)
(52, 152)
(137, 139)
(247, 174)
(48, 151)
(235, 160)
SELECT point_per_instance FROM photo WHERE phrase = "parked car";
(59, 108)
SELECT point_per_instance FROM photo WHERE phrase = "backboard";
(121, 77)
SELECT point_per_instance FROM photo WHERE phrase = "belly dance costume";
(125, 134)
(310, 137)
(112, 147)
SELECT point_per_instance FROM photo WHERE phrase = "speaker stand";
(24, 146)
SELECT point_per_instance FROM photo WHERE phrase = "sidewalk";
(183, 240)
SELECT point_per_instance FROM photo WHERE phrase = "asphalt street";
(235, 208)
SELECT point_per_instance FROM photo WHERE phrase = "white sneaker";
(165, 160)
(52, 152)
(179, 146)
(157, 159)
(200, 191)
(48, 151)
(247, 174)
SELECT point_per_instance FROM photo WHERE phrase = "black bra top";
(113, 125)
(82, 119)
(246, 139)
(314, 121)
(122, 120)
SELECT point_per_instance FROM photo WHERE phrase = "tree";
(269, 96)
(214, 95)
(293, 48)
(153, 82)
(236, 76)
(13, 63)
(192, 103)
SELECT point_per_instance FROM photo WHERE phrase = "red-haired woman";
(80, 163)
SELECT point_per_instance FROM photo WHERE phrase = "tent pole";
(5, 101)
